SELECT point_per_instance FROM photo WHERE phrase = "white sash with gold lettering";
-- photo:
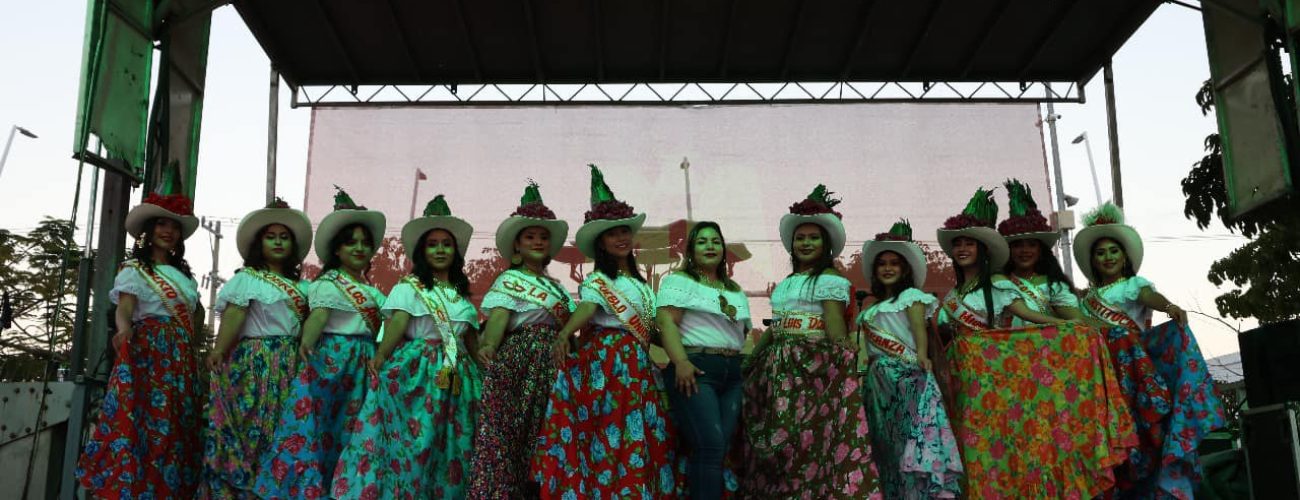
(633, 318)
(549, 296)
(798, 323)
(172, 300)
(884, 340)
(436, 304)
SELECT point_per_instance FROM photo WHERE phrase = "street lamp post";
(12, 131)
(1087, 145)
(686, 169)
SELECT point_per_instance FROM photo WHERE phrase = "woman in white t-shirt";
(704, 318)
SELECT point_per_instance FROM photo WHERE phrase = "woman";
(1033, 273)
(412, 437)
(915, 450)
(338, 338)
(704, 318)
(804, 417)
(254, 362)
(525, 309)
(138, 448)
(605, 434)
(1163, 373)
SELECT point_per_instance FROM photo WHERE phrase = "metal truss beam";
(687, 93)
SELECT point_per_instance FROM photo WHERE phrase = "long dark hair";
(824, 262)
(985, 284)
(424, 272)
(1048, 265)
(1127, 271)
(907, 280)
(292, 266)
(340, 238)
(689, 265)
(607, 264)
(143, 251)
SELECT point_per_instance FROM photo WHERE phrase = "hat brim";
(413, 230)
(141, 213)
(510, 228)
(999, 252)
(295, 220)
(585, 240)
(1124, 234)
(335, 221)
(1048, 238)
(832, 224)
(910, 251)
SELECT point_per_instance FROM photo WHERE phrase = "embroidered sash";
(884, 340)
(358, 297)
(442, 325)
(1109, 314)
(798, 323)
(962, 314)
(625, 310)
(171, 299)
(1031, 291)
(545, 294)
(296, 297)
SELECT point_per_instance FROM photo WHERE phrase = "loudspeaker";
(1270, 362)
(1272, 446)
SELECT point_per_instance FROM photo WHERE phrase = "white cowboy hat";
(910, 251)
(136, 218)
(335, 221)
(1113, 228)
(510, 228)
(585, 240)
(437, 215)
(295, 220)
(999, 252)
(828, 221)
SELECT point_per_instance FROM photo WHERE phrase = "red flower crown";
(1032, 222)
(963, 221)
(609, 210)
(891, 237)
(174, 203)
(535, 211)
(812, 207)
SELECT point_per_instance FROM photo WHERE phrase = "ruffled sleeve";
(129, 280)
(464, 312)
(323, 294)
(1006, 285)
(494, 299)
(587, 292)
(906, 299)
(1062, 296)
(244, 288)
(1130, 289)
(679, 290)
(829, 287)
(404, 297)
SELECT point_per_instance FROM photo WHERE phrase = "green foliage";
(37, 269)
(1267, 270)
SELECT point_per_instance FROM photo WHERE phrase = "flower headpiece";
(1024, 215)
(603, 203)
(982, 210)
(178, 204)
(900, 231)
(817, 202)
(531, 204)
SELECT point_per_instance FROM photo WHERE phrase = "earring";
(139, 242)
(172, 252)
(516, 259)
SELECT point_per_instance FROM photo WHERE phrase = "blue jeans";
(707, 419)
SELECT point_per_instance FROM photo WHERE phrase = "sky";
(1157, 74)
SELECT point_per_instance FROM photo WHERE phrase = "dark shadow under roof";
(375, 42)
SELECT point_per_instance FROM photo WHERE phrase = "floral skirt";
(1167, 465)
(805, 423)
(146, 440)
(516, 389)
(606, 433)
(1038, 413)
(414, 436)
(328, 391)
(914, 446)
(243, 410)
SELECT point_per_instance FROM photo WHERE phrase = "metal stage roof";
(439, 51)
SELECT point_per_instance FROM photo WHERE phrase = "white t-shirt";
(148, 303)
(404, 297)
(523, 312)
(344, 318)
(890, 317)
(1055, 294)
(638, 294)
(1123, 295)
(268, 311)
(703, 322)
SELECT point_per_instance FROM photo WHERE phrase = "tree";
(39, 270)
(1266, 270)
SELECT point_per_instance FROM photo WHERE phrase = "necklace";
(440, 285)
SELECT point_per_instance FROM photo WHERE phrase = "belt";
(720, 351)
